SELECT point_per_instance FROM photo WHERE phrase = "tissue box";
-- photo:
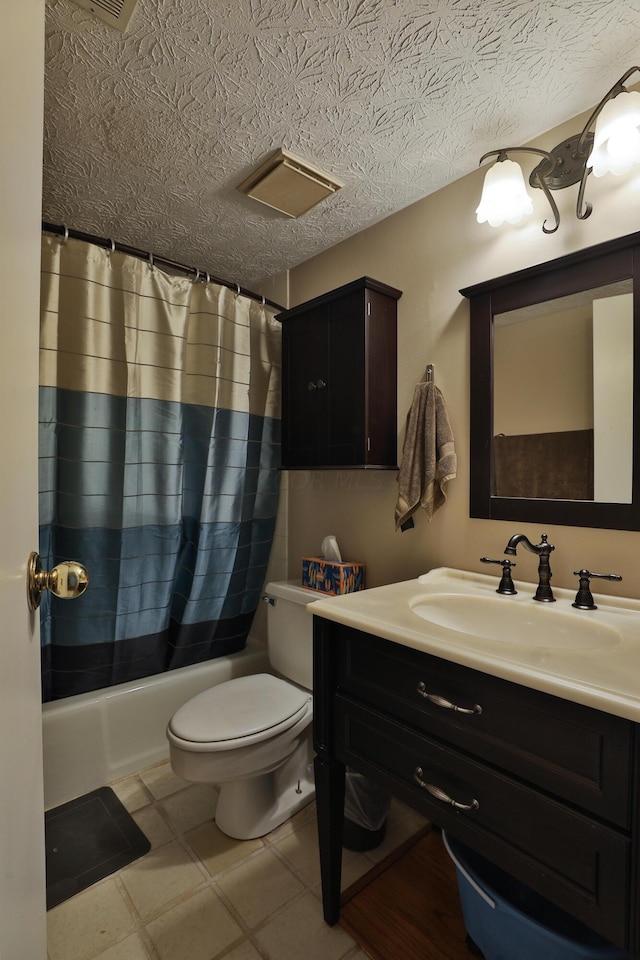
(330, 577)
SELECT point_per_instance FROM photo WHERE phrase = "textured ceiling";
(148, 133)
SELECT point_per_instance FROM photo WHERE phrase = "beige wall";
(430, 250)
(276, 288)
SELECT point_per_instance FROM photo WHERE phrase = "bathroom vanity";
(511, 724)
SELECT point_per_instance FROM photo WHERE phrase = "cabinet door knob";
(311, 385)
(446, 704)
(439, 794)
(320, 384)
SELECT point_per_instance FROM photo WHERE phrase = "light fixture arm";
(581, 149)
(617, 88)
(504, 151)
(552, 161)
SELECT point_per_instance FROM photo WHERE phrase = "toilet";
(252, 736)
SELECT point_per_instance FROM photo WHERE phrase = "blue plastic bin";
(509, 921)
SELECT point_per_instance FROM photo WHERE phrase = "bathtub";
(95, 738)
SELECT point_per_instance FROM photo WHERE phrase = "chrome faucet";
(543, 550)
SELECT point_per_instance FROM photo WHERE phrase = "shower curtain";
(159, 464)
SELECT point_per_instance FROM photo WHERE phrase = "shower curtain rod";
(67, 232)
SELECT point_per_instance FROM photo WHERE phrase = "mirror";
(554, 418)
(573, 440)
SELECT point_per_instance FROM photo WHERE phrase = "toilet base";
(249, 808)
(253, 807)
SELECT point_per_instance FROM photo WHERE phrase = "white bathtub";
(95, 738)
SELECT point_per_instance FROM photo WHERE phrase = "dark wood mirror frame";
(595, 266)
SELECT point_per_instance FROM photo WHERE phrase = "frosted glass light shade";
(616, 143)
(504, 195)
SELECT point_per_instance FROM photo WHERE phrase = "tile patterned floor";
(198, 895)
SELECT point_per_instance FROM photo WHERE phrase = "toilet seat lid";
(237, 709)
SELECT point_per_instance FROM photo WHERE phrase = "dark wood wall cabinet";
(339, 379)
(543, 787)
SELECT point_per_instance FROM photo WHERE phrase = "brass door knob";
(67, 580)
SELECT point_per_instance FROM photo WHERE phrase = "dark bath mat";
(86, 840)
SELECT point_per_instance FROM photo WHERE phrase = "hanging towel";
(428, 456)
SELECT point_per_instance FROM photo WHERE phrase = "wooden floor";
(410, 910)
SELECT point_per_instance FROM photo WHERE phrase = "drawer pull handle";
(446, 704)
(439, 794)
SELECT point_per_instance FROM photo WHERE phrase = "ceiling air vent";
(115, 12)
(289, 184)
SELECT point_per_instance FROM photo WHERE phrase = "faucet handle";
(506, 583)
(584, 598)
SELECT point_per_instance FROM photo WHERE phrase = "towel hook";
(430, 375)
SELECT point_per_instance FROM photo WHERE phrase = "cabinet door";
(381, 380)
(347, 442)
(304, 398)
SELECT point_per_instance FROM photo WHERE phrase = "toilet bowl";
(251, 736)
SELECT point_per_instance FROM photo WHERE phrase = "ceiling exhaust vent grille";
(115, 12)
(289, 184)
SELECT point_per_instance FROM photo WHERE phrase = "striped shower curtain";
(159, 465)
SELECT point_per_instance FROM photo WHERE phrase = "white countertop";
(603, 671)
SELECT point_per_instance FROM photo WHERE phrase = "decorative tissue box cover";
(328, 576)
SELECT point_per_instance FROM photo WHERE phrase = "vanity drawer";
(573, 860)
(579, 754)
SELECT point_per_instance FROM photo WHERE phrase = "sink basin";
(505, 620)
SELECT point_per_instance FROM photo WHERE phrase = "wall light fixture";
(613, 147)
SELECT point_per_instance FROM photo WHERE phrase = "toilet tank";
(290, 631)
